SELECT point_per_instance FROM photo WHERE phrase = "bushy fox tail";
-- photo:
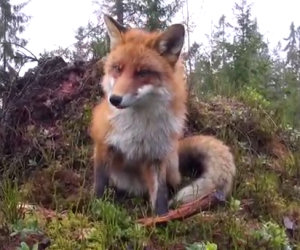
(210, 162)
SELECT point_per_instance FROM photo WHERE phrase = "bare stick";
(183, 211)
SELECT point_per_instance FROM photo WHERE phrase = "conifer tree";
(92, 41)
(293, 49)
(11, 25)
(151, 14)
(250, 57)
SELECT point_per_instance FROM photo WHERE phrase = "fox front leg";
(155, 177)
(101, 179)
(161, 203)
(101, 176)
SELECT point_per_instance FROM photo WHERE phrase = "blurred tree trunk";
(120, 11)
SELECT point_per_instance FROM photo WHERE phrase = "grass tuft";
(10, 201)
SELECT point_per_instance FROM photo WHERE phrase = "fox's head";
(140, 64)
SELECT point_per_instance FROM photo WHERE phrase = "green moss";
(271, 236)
(75, 231)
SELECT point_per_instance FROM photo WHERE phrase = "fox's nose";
(115, 100)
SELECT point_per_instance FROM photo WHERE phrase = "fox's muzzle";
(143, 96)
(122, 102)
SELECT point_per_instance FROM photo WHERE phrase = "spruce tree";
(150, 14)
(12, 24)
(92, 41)
(292, 49)
(251, 59)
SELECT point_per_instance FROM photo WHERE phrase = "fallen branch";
(184, 211)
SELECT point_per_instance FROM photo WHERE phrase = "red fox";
(138, 125)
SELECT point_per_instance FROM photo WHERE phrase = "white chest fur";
(144, 132)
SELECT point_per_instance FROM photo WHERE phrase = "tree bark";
(120, 11)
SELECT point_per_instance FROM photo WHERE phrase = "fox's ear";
(170, 42)
(114, 30)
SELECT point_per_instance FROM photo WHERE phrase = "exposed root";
(184, 211)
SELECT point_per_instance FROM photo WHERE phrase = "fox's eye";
(144, 72)
(116, 68)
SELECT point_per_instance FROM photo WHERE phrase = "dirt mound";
(38, 103)
(224, 117)
(55, 187)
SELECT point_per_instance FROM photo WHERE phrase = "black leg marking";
(121, 195)
(101, 180)
(161, 203)
(171, 190)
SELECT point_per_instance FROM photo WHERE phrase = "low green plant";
(24, 246)
(254, 98)
(235, 231)
(202, 246)
(234, 205)
(272, 235)
(119, 225)
(25, 227)
(10, 201)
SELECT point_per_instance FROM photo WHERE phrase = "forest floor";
(46, 173)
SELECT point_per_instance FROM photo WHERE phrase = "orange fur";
(137, 51)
